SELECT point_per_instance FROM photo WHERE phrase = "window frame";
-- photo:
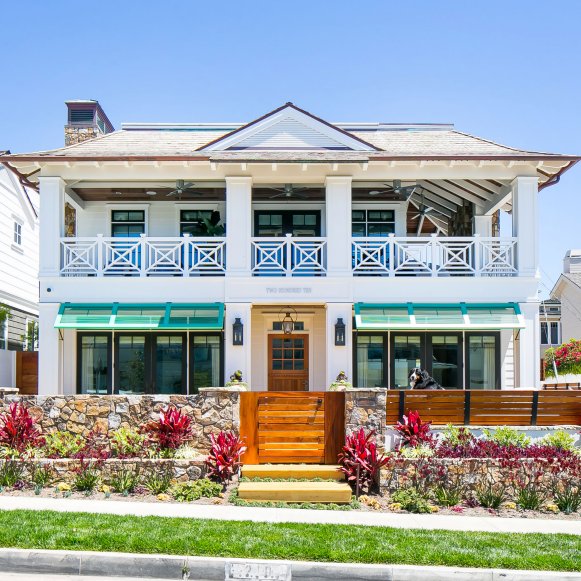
(17, 234)
(287, 221)
(367, 222)
(128, 208)
(79, 357)
(497, 362)
(386, 356)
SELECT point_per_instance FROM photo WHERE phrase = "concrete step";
(308, 471)
(337, 492)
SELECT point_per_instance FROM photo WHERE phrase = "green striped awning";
(122, 316)
(445, 316)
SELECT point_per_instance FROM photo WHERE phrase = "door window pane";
(370, 361)
(169, 364)
(94, 364)
(373, 222)
(131, 364)
(205, 361)
(482, 362)
(407, 355)
(192, 222)
(446, 361)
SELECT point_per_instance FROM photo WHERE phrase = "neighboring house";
(289, 248)
(567, 290)
(550, 327)
(19, 232)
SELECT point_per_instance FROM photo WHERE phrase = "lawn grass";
(311, 542)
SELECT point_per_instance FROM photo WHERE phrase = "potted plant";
(237, 381)
(341, 383)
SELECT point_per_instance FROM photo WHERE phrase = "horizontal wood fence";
(27, 372)
(487, 408)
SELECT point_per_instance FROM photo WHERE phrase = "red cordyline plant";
(17, 428)
(413, 430)
(360, 461)
(172, 430)
(224, 458)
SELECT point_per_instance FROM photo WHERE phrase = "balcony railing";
(143, 256)
(434, 256)
(289, 256)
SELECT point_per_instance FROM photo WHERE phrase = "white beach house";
(289, 248)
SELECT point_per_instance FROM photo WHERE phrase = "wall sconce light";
(340, 332)
(237, 332)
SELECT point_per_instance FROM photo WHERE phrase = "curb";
(214, 568)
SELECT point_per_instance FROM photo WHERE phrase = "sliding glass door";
(94, 367)
(407, 353)
(445, 360)
(482, 361)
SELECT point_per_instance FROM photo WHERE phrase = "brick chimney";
(85, 120)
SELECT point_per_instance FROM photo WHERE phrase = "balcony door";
(282, 222)
(288, 362)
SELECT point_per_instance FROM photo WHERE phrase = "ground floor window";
(142, 362)
(454, 360)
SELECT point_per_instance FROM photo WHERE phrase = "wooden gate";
(27, 372)
(292, 427)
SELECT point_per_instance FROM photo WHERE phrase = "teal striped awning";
(122, 316)
(445, 316)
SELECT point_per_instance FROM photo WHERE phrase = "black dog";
(420, 379)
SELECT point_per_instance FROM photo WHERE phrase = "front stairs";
(318, 483)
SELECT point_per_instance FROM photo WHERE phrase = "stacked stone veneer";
(366, 408)
(74, 134)
(212, 410)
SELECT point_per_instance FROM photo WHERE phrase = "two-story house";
(19, 233)
(289, 248)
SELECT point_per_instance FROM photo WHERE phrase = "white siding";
(18, 264)
(507, 360)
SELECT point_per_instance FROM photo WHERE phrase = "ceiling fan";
(288, 191)
(423, 211)
(181, 187)
(396, 188)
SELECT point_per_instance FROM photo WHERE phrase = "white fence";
(434, 256)
(143, 256)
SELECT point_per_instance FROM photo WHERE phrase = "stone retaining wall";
(366, 408)
(211, 410)
(64, 469)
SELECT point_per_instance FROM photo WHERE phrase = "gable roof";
(289, 127)
(566, 278)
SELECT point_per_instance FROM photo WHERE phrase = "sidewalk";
(238, 513)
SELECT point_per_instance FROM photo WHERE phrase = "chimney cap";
(99, 117)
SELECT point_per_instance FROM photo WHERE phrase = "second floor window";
(127, 223)
(18, 233)
(371, 223)
(192, 222)
(550, 333)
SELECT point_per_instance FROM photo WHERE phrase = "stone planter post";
(366, 408)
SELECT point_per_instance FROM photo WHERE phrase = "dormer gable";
(288, 128)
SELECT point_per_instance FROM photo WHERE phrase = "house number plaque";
(257, 572)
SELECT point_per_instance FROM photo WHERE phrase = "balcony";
(143, 256)
(392, 256)
(289, 256)
(435, 256)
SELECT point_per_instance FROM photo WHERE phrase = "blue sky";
(507, 71)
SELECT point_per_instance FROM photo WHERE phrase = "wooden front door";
(288, 362)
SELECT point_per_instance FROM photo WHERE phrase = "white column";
(339, 358)
(338, 225)
(530, 347)
(482, 225)
(238, 225)
(49, 351)
(525, 224)
(238, 356)
(52, 212)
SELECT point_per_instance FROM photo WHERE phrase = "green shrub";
(158, 482)
(127, 443)
(490, 495)
(63, 444)
(11, 472)
(566, 357)
(421, 451)
(568, 499)
(559, 439)
(192, 490)
(125, 480)
(411, 500)
(42, 476)
(186, 452)
(86, 476)
(448, 495)
(506, 436)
